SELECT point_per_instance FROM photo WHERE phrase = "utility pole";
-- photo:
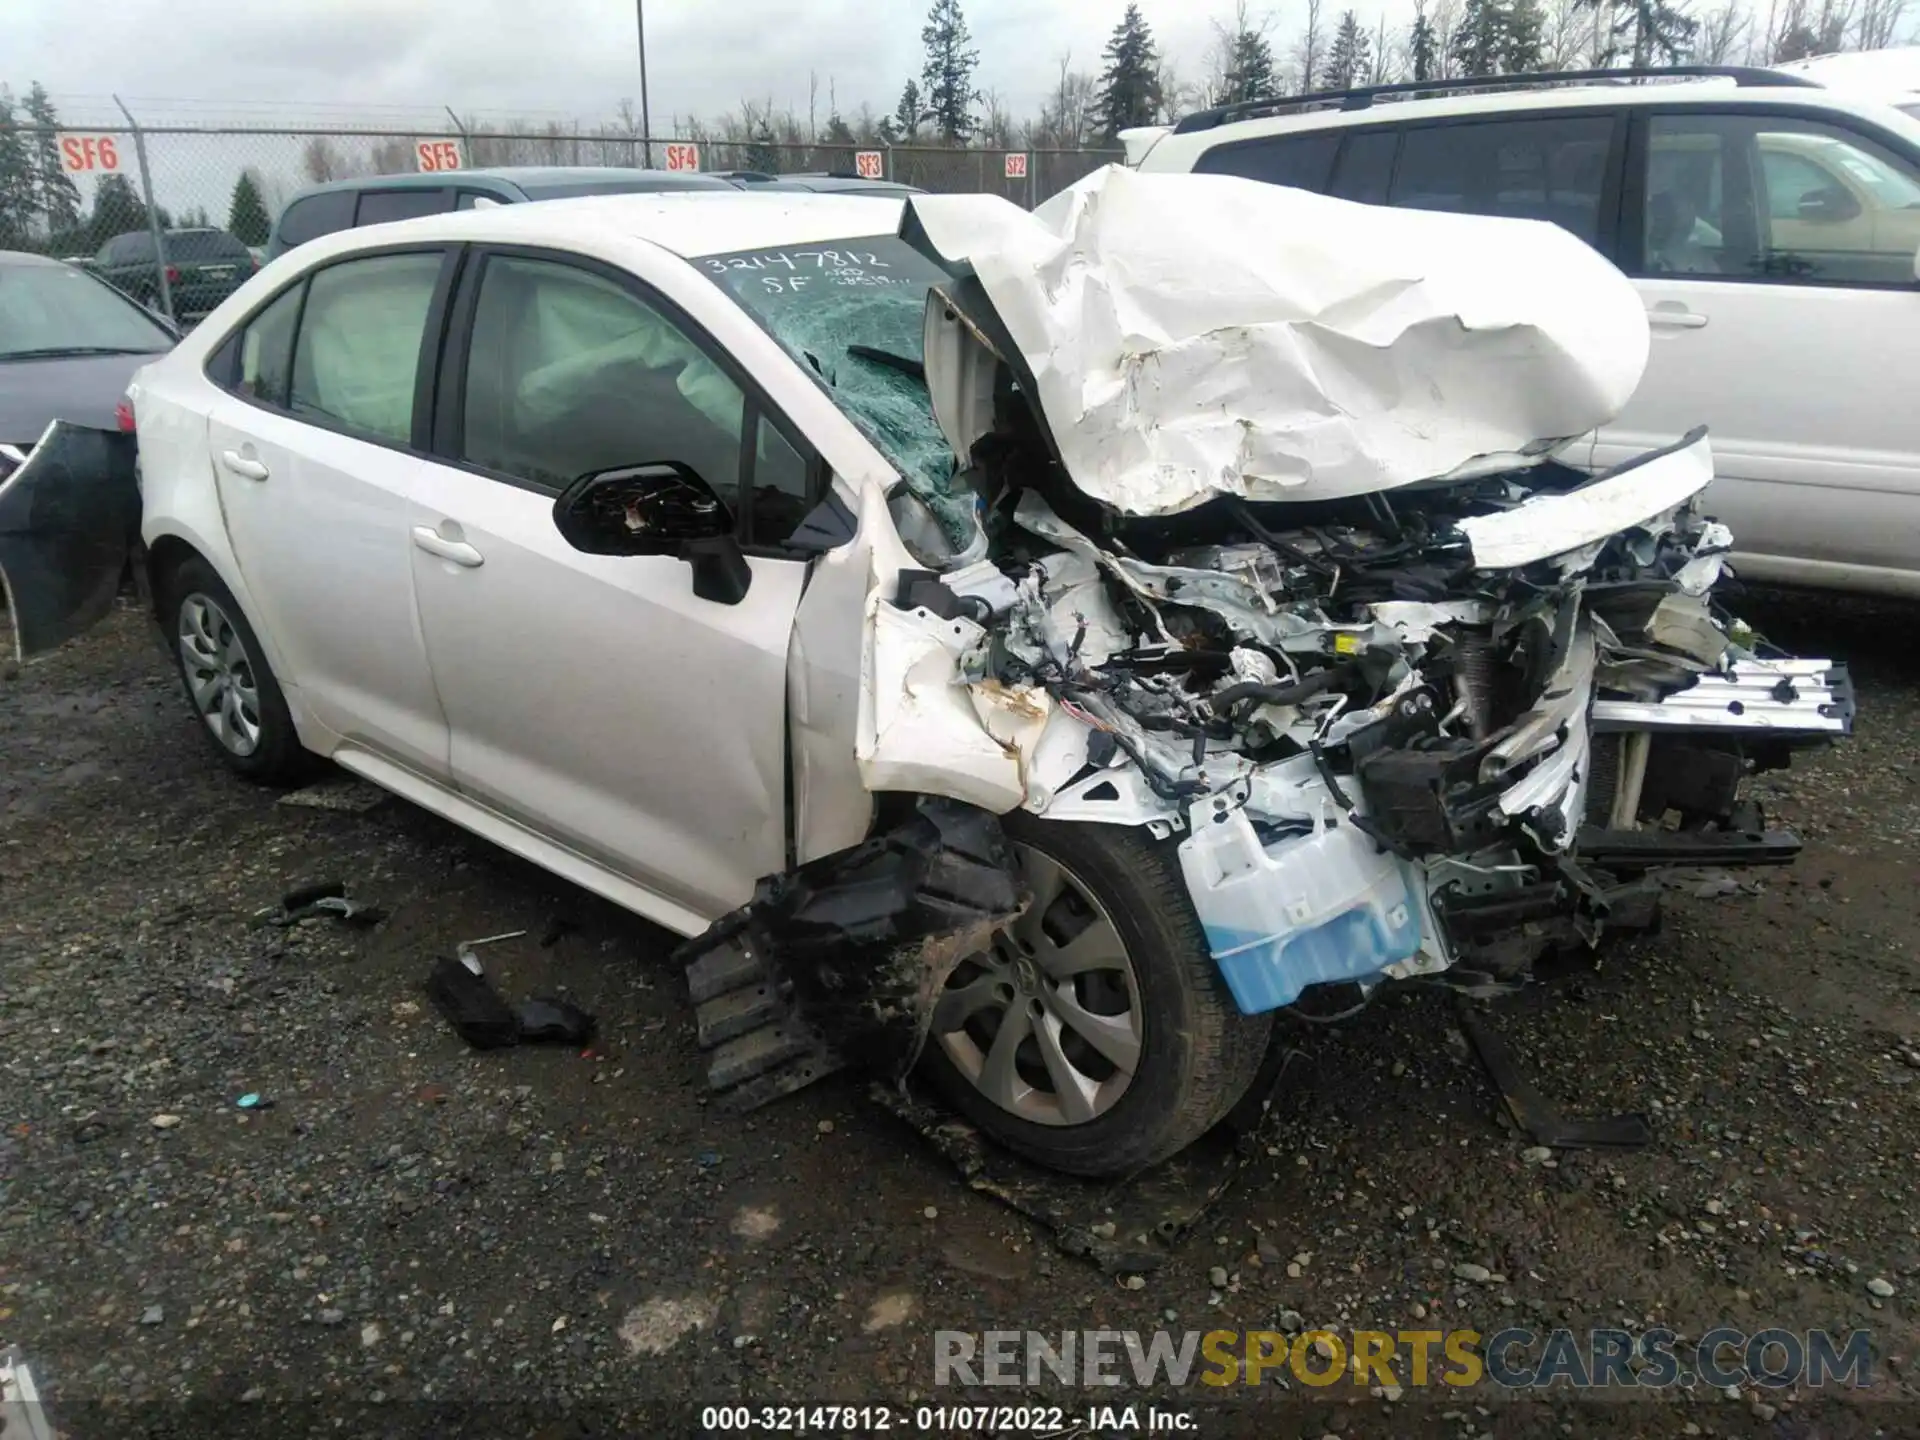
(646, 123)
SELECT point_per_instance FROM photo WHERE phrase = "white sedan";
(1002, 646)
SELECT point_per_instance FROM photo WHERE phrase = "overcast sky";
(309, 59)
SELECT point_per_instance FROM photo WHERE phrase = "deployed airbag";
(1197, 335)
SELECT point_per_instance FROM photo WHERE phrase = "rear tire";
(227, 680)
(1196, 1053)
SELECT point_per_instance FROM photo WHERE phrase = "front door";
(312, 456)
(1786, 318)
(596, 699)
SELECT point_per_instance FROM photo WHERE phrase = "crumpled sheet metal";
(1199, 335)
(69, 517)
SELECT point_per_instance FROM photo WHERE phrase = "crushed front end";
(1441, 733)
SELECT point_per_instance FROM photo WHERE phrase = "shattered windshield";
(852, 312)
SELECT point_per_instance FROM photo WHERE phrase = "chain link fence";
(111, 198)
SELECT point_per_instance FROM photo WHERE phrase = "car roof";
(1894, 71)
(1177, 149)
(27, 257)
(689, 224)
(522, 176)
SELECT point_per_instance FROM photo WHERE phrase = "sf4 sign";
(79, 153)
(436, 155)
(869, 164)
(683, 157)
(1017, 166)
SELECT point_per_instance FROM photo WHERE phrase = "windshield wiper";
(905, 364)
(62, 352)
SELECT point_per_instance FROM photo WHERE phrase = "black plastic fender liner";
(69, 518)
(841, 959)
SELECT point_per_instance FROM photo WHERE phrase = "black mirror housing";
(661, 508)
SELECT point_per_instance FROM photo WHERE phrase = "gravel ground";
(411, 1225)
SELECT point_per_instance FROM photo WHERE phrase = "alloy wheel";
(220, 674)
(1046, 1021)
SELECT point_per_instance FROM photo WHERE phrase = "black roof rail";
(1363, 97)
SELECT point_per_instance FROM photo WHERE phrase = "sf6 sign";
(79, 153)
(436, 155)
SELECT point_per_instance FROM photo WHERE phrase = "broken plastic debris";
(460, 991)
(328, 897)
(254, 1100)
(544, 1019)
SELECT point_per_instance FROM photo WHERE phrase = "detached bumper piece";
(69, 517)
(839, 961)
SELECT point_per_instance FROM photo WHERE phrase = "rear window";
(204, 245)
(316, 215)
(377, 207)
(1532, 169)
(1302, 161)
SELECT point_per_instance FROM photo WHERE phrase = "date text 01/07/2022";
(1036, 1420)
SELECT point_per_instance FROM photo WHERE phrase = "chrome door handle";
(1676, 319)
(240, 465)
(433, 542)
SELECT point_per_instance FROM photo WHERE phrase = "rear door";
(314, 448)
(596, 699)
(1786, 325)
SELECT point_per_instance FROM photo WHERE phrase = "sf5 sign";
(683, 157)
(80, 153)
(436, 155)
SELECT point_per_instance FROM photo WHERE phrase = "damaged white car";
(1033, 648)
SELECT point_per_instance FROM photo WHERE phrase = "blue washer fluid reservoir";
(1303, 910)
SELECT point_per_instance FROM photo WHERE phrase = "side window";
(377, 207)
(1777, 198)
(1302, 161)
(1540, 168)
(358, 351)
(316, 215)
(266, 350)
(782, 495)
(568, 373)
(1365, 167)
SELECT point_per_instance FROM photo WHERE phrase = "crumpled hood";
(1189, 336)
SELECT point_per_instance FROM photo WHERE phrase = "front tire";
(1095, 1036)
(224, 671)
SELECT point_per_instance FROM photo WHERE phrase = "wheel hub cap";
(1046, 1021)
(220, 674)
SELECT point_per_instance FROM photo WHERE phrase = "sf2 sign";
(79, 153)
(869, 165)
(683, 157)
(436, 155)
(1017, 166)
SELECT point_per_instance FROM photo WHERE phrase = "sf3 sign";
(683, 157)
(869, 165)
(80, 153)
(434, 155)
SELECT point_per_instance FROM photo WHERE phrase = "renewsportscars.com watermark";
(1516, 1358)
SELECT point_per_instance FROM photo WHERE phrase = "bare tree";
(1566, 35)
(322, 160)
(1384, 64)
(1309, 51)
(1446, 27)
(1877, 22)
(1724, 34)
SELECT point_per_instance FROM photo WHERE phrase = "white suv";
(1771, 225)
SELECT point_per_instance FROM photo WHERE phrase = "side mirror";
(1831, 204)
(657, 509)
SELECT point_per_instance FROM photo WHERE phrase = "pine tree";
(1130, 88)
(908, 114)
(1423, 46)
(247, 219)
(58, 196)
(1250, 70)
(1523, 46)
(1349, 59)
(948, 72)
(116, 210)
(19, 197)
(1480, 42)
(1650, 29)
